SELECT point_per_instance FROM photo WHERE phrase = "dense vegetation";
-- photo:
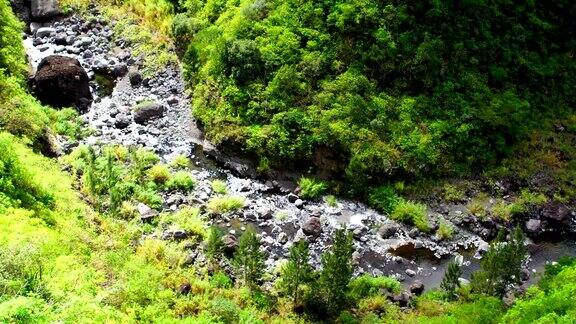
(65, 259)
(383, 88)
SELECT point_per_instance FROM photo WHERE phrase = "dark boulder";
(44, 9)
(122, 121)
(230, 244)
(146, 213)
(60, 81)
(22, 9)
(556, 212)
(312, 227)
(417, 288)
(388, 230)
(146, 111)
(135, 77)
(184, 288)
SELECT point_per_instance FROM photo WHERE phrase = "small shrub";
(181, 180)
(127, 211)
(453, 193)
(148, 197)
(445, 230)
(411, 213)
(187, 219)
(383, 198)
(225, 310)
(220, 280)
(159, 173)
(142, 104)
(219, 186)
(225, 204)
(180, 162)
(282, 215)
(331, 201)
(366, 286)
(311, 189)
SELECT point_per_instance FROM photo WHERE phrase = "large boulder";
(556, 212)
(22, 9)
(60, 81)
(44, 9)
(146, 111)
(312, 227)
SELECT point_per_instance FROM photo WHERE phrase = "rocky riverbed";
(154, 111)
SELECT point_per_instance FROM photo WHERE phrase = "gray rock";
(410, 272)
(402, 299)
(146, 213)
(43, 9)
(533, 226)
(34, 27)
(556, 212)
(122, 121)
(45, 32)
(135, 77)
(417, 288)
(292, 198)
(282, 238)
(388, 230)
(144, 112)
(230, 244)
(119, 70)
(312, 227)
(265, 213)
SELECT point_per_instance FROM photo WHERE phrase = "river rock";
(134, 76)
(410, 272)
(145, 112)
(401, 299)
(43, 9)
(533, 226)
(45, 32)
(556, 212)
(230, 244)
(122, 121)
(62, 82)
(388, 230)
(146, 213)
(312, 227)
(417, 288)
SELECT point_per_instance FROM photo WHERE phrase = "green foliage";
(249, 260)
(411, 213)
(225, 204)
(445, 230)
(187, 219)
(221, 280)
(397, 89)
(453, 193)
(311, 189)
(225, 310)
(331, 201)
(450, 282)
(159, 174)
(180, 162)
(219, 186)
(501, 266)
(383, 198)
(337, 269)
(17, 186)
(214, 245)
(181, 180)
(297, 272)
(551, 301)
(367, 286)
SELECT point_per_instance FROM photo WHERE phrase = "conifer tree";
(336, 272)
(501, 266)
(249, 260)
(298, 271)
(450, 281)
(214, 245)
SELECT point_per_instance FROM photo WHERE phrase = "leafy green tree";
(249, 260)
(450, 282)
(298, 271)
(501, 266)
(337, 270)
